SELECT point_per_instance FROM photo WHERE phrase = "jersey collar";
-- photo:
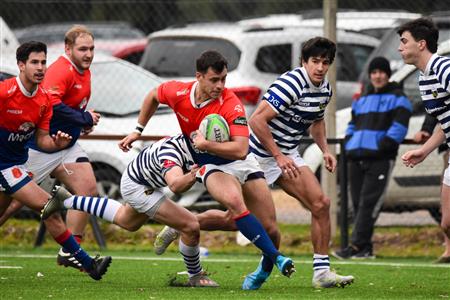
(81, 71)
(430, 62)
(24, 90)
(192, 98)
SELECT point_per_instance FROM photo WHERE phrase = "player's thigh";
(176, 216)
(225, 188)
(78, 177)
(305, 187)
(128, 218)
(258, 199)
(445, 206)
(32, 196)
(5, 201)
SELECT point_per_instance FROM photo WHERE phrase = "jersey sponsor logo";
(238, 108)
(240, 121)
(17, 137)
(182, 92)
(274, 101)
(27, 126)
(12, 89)
(78, 86)
(322, 106)
(185, 119)
(434, 93)
(436, 109)
(15, 111)
(16, 172)
(168, 164)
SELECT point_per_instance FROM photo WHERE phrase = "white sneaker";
(164, 239)
(330, 279)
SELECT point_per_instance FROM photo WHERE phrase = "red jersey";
(21, 113)
(180, 96)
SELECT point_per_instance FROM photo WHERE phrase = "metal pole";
(343, 180)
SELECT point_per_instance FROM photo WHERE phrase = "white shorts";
(13, 179)
(243, 170)
(41, 164)
(446, 179)
(142, 198)
(271, 170)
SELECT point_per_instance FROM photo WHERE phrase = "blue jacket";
(379, 124)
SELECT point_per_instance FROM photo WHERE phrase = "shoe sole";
(105, 265)
(67, 266)
(288, 269)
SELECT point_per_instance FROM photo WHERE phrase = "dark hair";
(213, 59)
(24, 50)
(422, 29)
(319, 47)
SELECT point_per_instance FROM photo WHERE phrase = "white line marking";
(223, 260)
(10, 267)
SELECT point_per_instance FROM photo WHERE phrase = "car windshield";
(118, 88)
(175, 57)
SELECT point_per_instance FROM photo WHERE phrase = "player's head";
(379, 72)
(79, 46)
(317, 56)
(32, 61)
(212, 69)
(417, 37)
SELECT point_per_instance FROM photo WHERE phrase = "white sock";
(191, 257)
(321, 264)
(101, 207)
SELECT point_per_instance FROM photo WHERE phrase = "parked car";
(118, 89)
(256, 55)
(8, 41)
(408, 189)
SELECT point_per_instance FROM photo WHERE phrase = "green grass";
(142, 275)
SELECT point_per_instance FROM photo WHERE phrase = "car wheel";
(435, 213)
(108, 181)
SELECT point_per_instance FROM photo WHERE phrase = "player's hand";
(87, 130)
(413, 157)
(421, 137)
(330, 162)
(61, 139)
(193, 174)
(288, 167)
(126, 143)
(199, 141)
(95, 116)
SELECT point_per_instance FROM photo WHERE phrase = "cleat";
(330, 279)
(255, 280)
(68, 260)
(164, 239)
(285, 265)
(56, 202)
(99, 267)
(201, 280)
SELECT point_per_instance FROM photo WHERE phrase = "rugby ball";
(214, 128)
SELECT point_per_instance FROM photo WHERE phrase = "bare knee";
(321, 206)
(235, 204)
(130, 227)
(191, 229)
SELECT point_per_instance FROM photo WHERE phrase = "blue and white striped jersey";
(298, 104)
(150, 166)
(434, 85)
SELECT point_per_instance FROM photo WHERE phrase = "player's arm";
(177, 181)
(318, 133)
(74, 116)
(148, 109)
(259, 124)
(58, 141)
(235, 149)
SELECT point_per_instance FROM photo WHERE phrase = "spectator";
(379, 124)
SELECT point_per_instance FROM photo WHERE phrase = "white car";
(256, 55)
(408, 189)
(8, 41)
(118, 89)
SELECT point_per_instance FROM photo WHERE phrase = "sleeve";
(351, 125)
(444, 74)
(47, 112)
(282, 93)
(57, 82)
(236, 118)
(167, 93)
(3, 90)
(169, 157)
(429, 123)
(76, 117)
(399, 127)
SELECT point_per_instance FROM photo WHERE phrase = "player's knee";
(235, 203)
(131, 227)
(321, 206)
(445, 226)
(192, 229)
(54, 221)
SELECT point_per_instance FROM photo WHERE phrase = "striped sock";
(191, 257)
(101, 207)
(69, 243)
(321, 263)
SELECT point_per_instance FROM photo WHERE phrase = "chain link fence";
(261, 39)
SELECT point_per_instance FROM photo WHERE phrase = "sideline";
(222, 260)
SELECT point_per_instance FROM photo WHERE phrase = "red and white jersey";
(180, 96)
(21, 113)
(65, 83)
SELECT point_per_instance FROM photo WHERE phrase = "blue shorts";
(13, 179)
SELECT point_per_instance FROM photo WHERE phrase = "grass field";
(142, 275)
